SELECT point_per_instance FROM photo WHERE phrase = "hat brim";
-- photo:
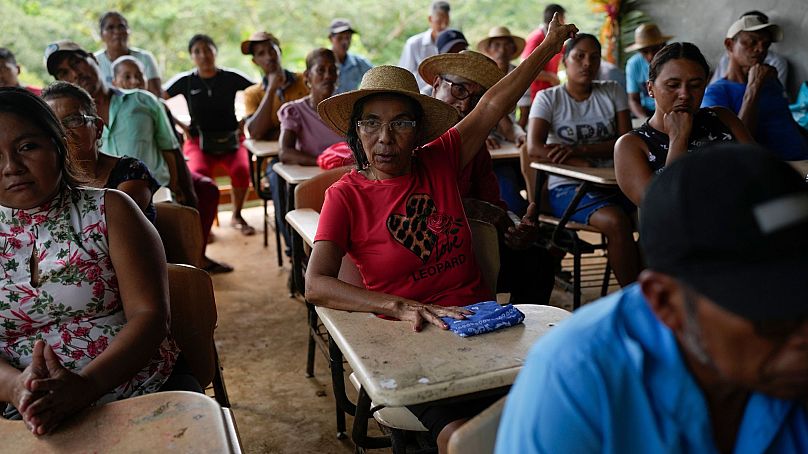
(661, 40)
(460, 65)
(246, 46)
(341, 29)
(438, 116)
(518, 41)
(777, 31)
(754, 291)
(50, 61)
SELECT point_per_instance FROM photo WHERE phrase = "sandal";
(215, 267)
(242, 226)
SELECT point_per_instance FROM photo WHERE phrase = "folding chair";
(565, 233)
(193, 320)
(181, 233)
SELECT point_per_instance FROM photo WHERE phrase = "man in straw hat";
(277, 86)
(527, 272)
(503, 47)
(399, 215)
(648, 40)
(752, 91)
(709, 351)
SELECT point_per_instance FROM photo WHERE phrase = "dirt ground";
(262, 339)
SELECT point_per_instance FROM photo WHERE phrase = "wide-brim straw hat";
(467, 64)
(647, 35)
(502, 32)
(438, 116)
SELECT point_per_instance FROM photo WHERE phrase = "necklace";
(209, 87)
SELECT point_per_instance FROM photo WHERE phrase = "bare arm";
(185, 183)
(291, 155)
(548, 77)
(631, 167)
(138, 191)
(501, 98)
(324, 289)
(636, 107)
(749, 107)
(259, 125)
(155, 86)
(734, 124)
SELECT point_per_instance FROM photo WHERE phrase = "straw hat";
(502, 32)
(438, 116)
(467, 64)
(647, 35)
(258, 37)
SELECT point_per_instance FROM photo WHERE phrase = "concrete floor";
(261, 339)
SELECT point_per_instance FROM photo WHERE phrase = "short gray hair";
(439, 5)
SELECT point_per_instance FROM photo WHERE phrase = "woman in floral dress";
(73, 331)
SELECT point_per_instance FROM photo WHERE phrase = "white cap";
(753, 24)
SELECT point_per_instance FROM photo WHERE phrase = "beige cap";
(753, 24)
(258, 37)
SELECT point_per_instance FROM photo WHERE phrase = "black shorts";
(437, 416)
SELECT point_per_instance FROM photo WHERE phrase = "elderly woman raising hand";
(399, 215)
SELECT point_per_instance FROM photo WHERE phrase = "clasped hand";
(526, 233)
(47, 392)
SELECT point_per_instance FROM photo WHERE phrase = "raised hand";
(759, 72)
(679, 124)
(557, 33)
(559, 152)
(58, 395)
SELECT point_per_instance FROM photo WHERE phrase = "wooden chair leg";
(312, 330)
(576, 276)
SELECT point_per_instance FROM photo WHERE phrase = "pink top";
(408, 235)
(313, 136)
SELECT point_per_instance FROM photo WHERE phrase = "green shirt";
(138, 127)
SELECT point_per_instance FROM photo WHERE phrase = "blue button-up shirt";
(610, 379)
(351, 72)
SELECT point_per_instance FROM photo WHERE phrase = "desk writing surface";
(304, 221)
(507, 150)
(296, 174)
(598, 175)
(263, 148)
(801, 166)
(175, 421)
(398, 367)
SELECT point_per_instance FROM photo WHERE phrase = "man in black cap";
(709, 351)
(351, 66)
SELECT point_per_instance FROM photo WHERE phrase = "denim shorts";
(561, 196)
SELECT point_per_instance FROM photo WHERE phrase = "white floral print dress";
(69, 297)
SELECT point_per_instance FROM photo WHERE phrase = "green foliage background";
(163, 27)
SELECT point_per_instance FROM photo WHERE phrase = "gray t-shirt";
(584, 122)
(144, 57)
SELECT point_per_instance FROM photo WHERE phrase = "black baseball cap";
(448, 38)
(731, 221)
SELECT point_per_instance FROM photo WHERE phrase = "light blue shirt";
(636, 78)
(351, 72)
(610, 379)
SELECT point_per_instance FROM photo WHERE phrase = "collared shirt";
(253, 96)
(351, 72)
(417, 49)
(138, 127)
(611, 379)
(636, 80)
(150, 70)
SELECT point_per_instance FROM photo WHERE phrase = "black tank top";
(707, 129)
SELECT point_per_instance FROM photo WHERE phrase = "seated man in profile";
(709, 351)
(751, 89)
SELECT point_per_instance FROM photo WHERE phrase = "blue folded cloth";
(488, 316)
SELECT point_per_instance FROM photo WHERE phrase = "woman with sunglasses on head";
(577, 123)
(75, 108)
(399, 214)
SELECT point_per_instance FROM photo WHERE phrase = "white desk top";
(296, 174)
(263, 148)
(398, 367)
(507, 150)
(163, 194)
(177, 421)
(599, 175)
(304, 221)
(801, 166)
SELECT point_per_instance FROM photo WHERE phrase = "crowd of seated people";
(691, 354)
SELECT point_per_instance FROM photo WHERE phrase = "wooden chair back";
(486, 251)
(311, 193)
(193, 318)
(181, 232)
(479, 434)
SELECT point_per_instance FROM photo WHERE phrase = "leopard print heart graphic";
(411, 230)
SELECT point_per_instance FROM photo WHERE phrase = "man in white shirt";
(420, 46)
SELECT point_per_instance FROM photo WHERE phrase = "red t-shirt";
(35, 90)
(533, 40)
(408, 235)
